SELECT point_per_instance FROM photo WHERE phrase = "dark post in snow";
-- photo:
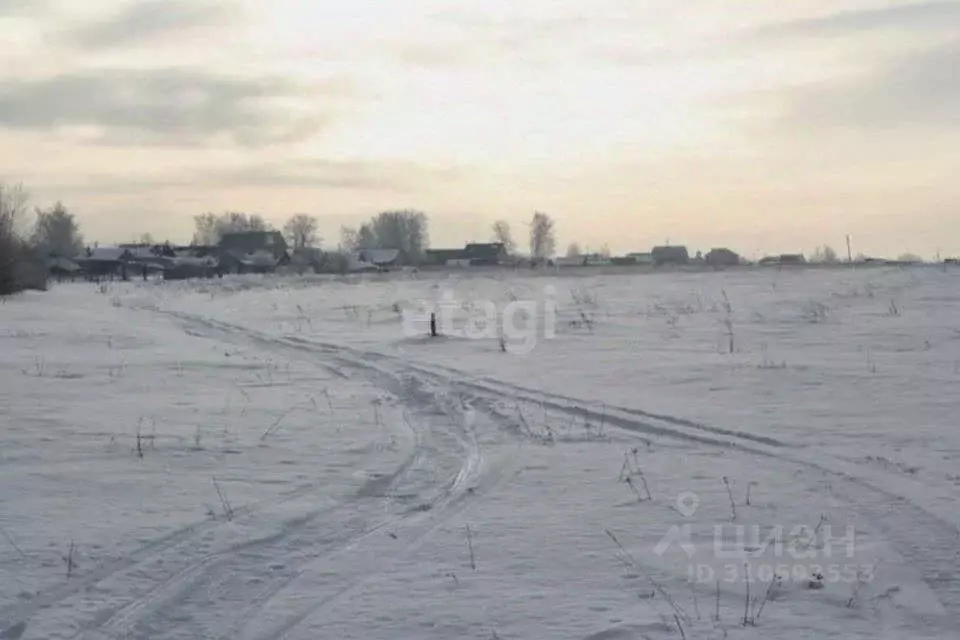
(433, 325)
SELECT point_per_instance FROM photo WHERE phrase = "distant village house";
(670, 255)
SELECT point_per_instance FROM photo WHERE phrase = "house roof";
(474, 251)
(245, 237)
(140, 251)
(377, 256)
(665, 253)
(105, 253)
(673, 249)
(257, 258)
(63, 264)
(451, 253)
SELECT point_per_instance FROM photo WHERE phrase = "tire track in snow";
(151, 552)
(200, 569)
(421, 535)
(225, 572)
(193, 570)
(871, 495)
(369, 552)
(390, 366)
(181, 552)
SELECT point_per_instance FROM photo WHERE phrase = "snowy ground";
(262, 458)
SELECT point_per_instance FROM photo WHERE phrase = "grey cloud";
(165, 107)
(922, 19)
(21, 7)
(320, 174)
(467, 38)
(918, 16)
(922, 90)
(149, 19)
(336, 174)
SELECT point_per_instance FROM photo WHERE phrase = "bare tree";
(301, 230)
(503, 235)
(13, 204)
(573, 251)
(406, 230)
(366, 237)
(147, 238)
(56, 232)
(543, 237)
(20, 267)
(211, 227)
(824, 255)
(349, 239)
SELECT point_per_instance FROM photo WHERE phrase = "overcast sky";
(763, 126)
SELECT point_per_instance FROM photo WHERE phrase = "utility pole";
(849, 252)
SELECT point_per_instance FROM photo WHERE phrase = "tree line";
(54, 231)
(407, 230)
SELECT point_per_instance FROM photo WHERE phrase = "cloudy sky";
(765, 126)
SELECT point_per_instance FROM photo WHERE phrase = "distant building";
(61, 268)
(105, 262)
(253, 251)
(473, 254)
(249, 242)
(444, 256)
(784, 259)
(670, 255)
(376, 259)
(486, 253)
(722, 257)
(641, 257)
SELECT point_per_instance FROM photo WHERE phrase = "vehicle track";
(187, 571)
(165, 583)
(388, 366)
(871, 497)
(172, 543)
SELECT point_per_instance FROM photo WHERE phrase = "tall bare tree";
(13, 205)
(211, 227)
(503, 235)
(56, 232)
(825, 255)
(543, 237)
(301, 231)
(349, 239)
(405, 229)
(367, 237)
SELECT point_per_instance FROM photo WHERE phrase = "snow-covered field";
(618, 457)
